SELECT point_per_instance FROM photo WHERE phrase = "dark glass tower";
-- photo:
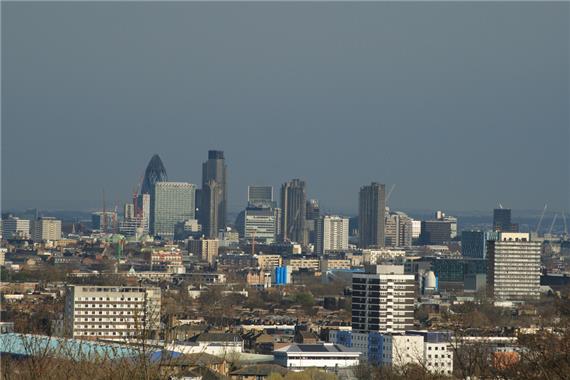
(293, 206)
(502, 220)
(213, 212)
(371, 210)
(155, 172)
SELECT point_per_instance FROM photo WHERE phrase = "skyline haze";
(462, 105)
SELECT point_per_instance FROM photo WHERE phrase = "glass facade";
(171, 203)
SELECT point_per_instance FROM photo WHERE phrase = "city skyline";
(458, 121)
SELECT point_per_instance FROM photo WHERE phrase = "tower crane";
(540, 219)
(565, 232)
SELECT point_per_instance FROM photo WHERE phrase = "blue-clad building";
(474, 243)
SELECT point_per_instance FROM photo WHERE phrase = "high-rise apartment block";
(371, 210)
(111, 312)
(293, 209)
(171, 203)
(383, 299)
(45, 229)
(332, 234)
(398, 230)
(213, 195)
(205, 249)
(513, 268)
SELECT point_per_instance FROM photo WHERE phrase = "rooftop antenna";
(500, 205)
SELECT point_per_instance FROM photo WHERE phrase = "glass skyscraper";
(171, 203)
(474, 243)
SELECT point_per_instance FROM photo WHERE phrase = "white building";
(219, 344)
(332, 234)
(372, 256)
(383, 299)
(513, 272)
(416, 228)
(321, 355)
(111, 312)
(260, 225)
(45, 229)
(13, 227)
(429, 349)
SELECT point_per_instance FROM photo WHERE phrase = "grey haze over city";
(461, 105)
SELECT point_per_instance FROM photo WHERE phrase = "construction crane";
(540, 219)
(552, 225)
(390, 192)
(115, 221)
(565, 232)
(136, 211)
(103, 220)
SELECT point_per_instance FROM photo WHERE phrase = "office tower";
(474, 243)
(170, 203)
(293, 211)
(155, 172)
(45, 229)
(259, 224)
(383, 299)
(435, 232)
(259, 216)
(332, 234)
(398, 230)
(212, 195)
(502, 220)
(278, 219)
(439, 231)
(260, 196)
(371, 212)
(513, 269)
(212, 214)
(111, 312)
(313, 210)
(312, 214)
(205, 249)
(15, 228)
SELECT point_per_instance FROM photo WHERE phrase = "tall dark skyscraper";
(371, 210)
(293, 211)
(155, 172)
(502, 220)
(313, 214)
(213, 196)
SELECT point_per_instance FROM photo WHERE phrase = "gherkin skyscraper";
(155, 172)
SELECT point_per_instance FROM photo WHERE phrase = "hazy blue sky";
(462, 105)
